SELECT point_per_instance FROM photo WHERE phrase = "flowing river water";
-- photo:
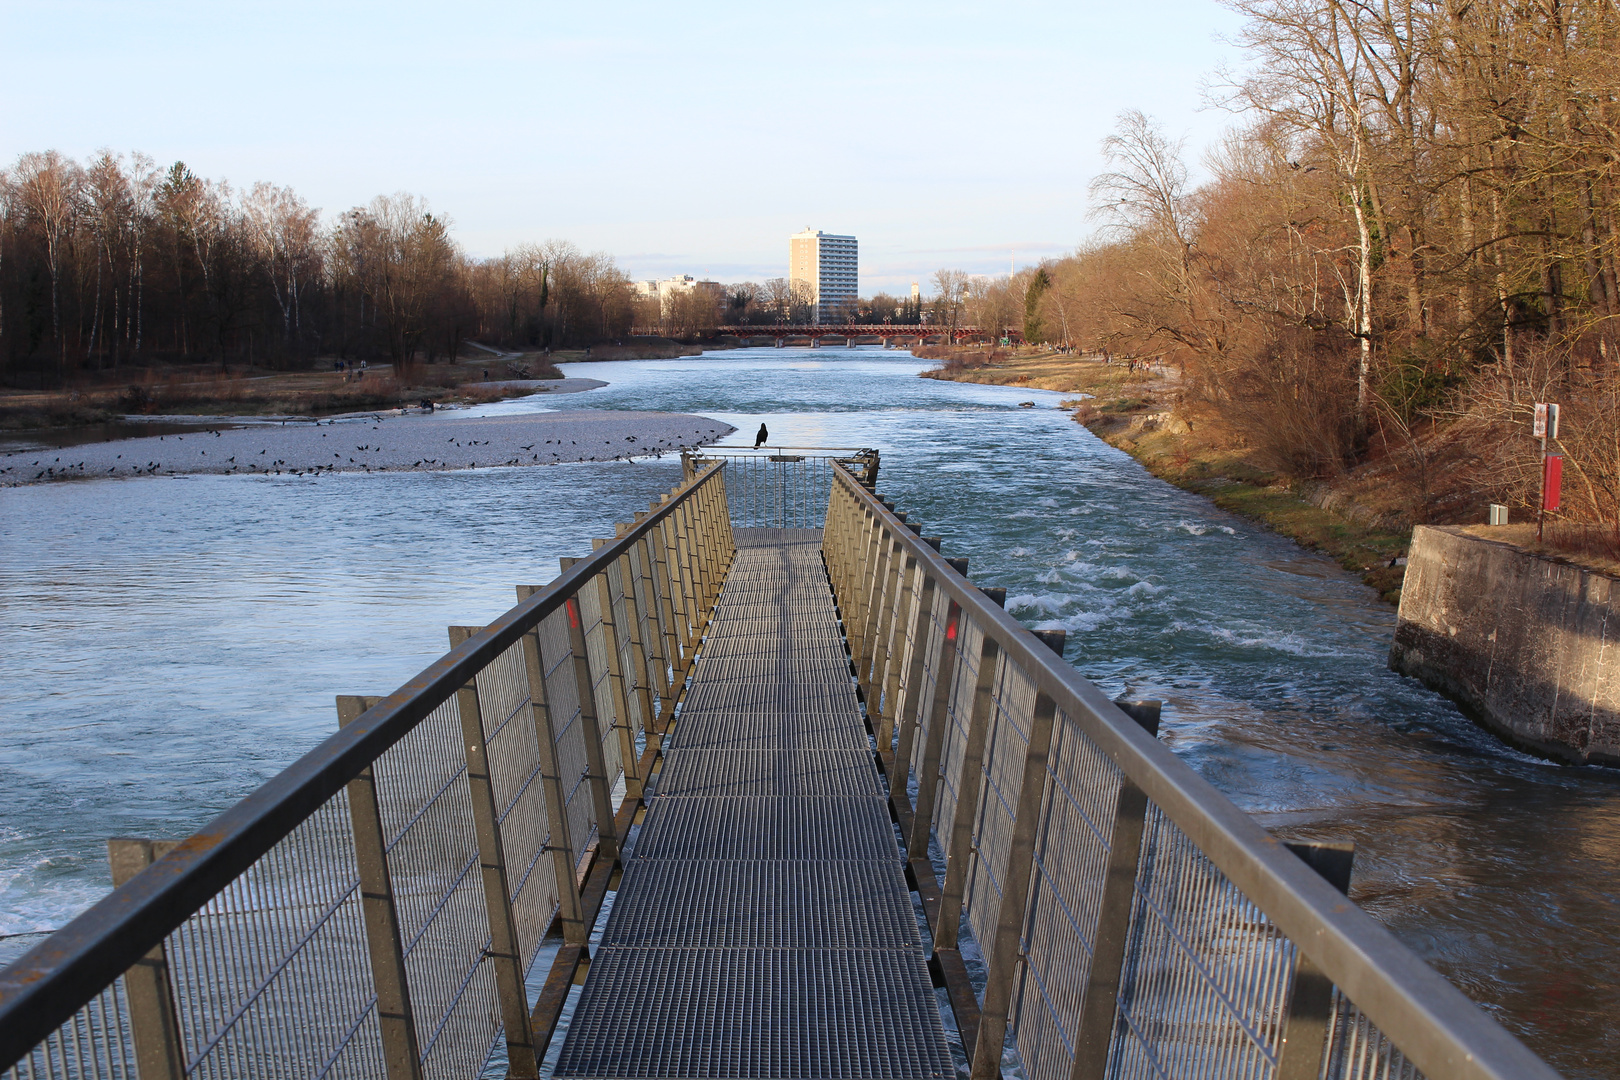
(170, 643)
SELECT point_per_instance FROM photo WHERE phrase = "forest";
(116, 262)
(1407, 239)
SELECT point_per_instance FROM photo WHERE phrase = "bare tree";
(951, 287)
(49, 187)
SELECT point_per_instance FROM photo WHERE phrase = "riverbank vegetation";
(113, 265)
(1410, 239)
(166, 389)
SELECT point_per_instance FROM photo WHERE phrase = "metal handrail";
(43, 989)
(1429, 1020)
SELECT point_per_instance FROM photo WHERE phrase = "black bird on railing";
(759, 440)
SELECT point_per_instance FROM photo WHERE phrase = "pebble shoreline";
(440, 441)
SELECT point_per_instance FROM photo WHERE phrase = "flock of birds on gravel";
(55, 470)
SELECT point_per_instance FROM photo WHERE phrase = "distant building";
(667, 289)
(827, 266)
(916, 294)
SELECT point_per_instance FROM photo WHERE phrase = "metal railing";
(373, 909)
(783, 487)
(1133, 921)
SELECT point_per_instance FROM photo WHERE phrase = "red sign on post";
(1552, 478)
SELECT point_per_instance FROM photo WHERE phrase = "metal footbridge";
(763, 787)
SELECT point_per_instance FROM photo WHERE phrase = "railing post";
(600, 783)
(928, 779)
(402, 1057)
(1004, 954)
(921, 627)
(504, 951)
(960, 842)
(152, 1022)
(1095, 1032)
(564, 860)
(1309, 1022)
(616, 680)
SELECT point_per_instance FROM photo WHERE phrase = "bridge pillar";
(815, 343)
(781, 343)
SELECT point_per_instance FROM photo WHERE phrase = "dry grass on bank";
(191, 390)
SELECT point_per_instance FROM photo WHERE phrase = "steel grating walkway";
(763, 927)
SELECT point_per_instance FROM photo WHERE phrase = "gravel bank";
(372, 444)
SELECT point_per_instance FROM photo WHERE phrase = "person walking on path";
(759, 440)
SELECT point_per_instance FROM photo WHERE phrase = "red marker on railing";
(573, 613)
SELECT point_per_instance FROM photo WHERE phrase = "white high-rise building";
(828, 267)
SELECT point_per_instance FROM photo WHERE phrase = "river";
(172, 642)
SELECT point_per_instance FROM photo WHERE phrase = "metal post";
(1004, 954)
(921, 627)
(601, 784)
(961, 848)
(1309, 1022)
(564, 860)
(928, 778)
(616, 682)
(402, 1058)
(152, 1022)
(504, 951)
(1097, 1009)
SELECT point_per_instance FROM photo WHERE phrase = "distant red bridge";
(864, 334)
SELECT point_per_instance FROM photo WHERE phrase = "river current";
(170, 643)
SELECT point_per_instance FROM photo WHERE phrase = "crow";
(759, 440)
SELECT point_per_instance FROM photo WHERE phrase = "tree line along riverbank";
(1361, 516)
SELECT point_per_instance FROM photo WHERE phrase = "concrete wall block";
(1520, 641)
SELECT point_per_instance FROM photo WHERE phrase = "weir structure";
(762, 787)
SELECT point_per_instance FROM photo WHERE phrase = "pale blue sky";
(680, 137)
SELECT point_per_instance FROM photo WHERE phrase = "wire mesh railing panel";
(1207, 974)
(1006, 744)
(562, 701)
(958, 714)
(1357, 1050)
(432, 850)
(657, 671)
(931, 675)
(96, 1044)
(601, 692)
(1071, 863)
(620, 590)
(772, 490)
(520, 801)
(273, 976)
(906, 645)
